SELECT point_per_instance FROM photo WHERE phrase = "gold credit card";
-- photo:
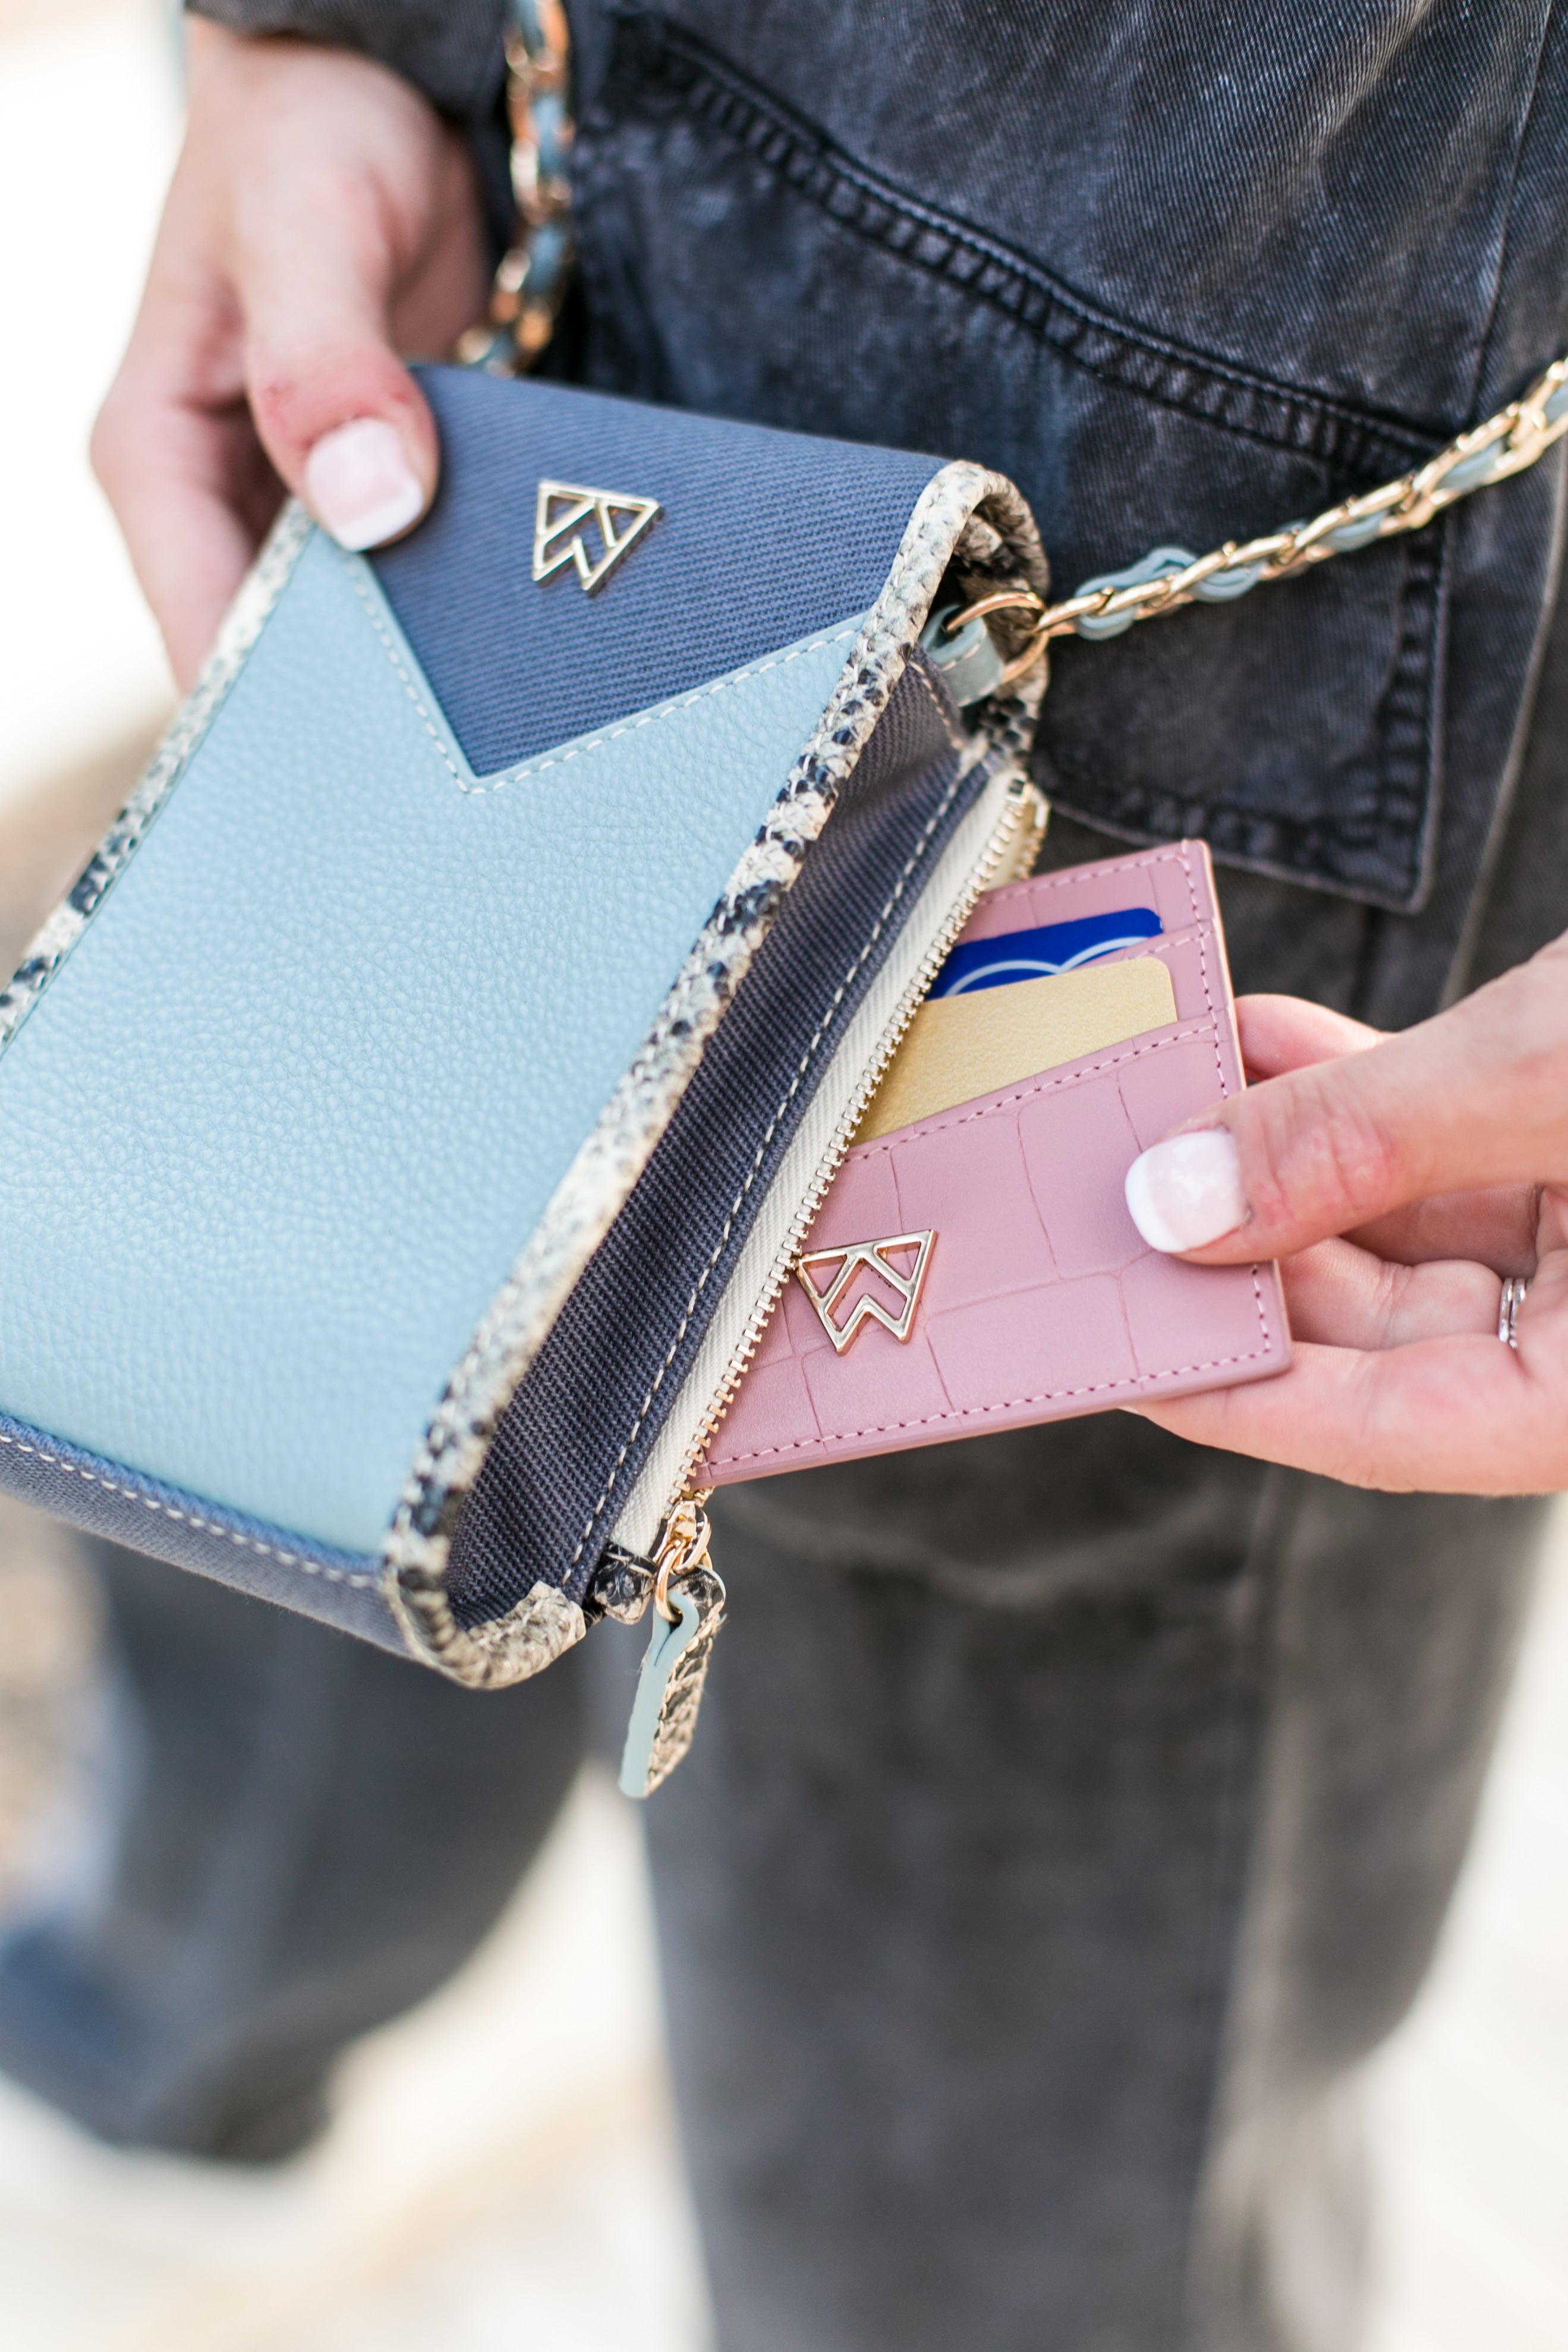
(959, 1047)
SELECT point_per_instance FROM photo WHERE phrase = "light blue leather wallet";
(410, 1116)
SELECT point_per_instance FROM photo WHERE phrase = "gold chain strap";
(531, 281)
(1506, 444)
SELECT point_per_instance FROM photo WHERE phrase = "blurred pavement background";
(493, 2180)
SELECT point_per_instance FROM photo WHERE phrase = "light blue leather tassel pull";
(689, 1608)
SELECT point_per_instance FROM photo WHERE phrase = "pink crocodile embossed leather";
(1040, 1299)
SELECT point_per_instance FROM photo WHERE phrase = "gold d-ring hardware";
(1005, 600)
(684, 1547)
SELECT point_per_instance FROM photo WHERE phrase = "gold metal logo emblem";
(563, 517)
(875, 1259)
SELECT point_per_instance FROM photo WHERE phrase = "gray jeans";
(1070, 1812)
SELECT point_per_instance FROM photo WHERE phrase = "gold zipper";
(684, 1532)
(683, 1547)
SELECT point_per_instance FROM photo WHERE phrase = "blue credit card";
(1049, 948)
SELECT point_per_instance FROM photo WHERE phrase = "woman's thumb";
(339, 414)
(1293, 1160)
(363, 483)
(1476, 1097)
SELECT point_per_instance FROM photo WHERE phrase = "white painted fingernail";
(1187, 1191)
(360, 485)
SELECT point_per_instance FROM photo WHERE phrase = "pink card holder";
(978, 1269)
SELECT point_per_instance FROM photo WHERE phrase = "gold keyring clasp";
(1005, 600)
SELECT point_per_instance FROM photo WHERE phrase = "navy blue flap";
(763, 538)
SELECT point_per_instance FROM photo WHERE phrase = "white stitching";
(954, 737)
(664, 710)
(790, 1092)
(1202, 928)
(190, 1519)
(395, 659)
(1069, 876)
(968, 1412)
(1202, 924)
(475, 790)
(1048, 1082)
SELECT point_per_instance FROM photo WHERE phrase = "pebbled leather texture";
(1040, 1299)
(262, 1180)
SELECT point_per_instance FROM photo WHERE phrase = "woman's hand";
(322, 219)
(1440, 1156)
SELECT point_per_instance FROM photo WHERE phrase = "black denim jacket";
(1183, 273)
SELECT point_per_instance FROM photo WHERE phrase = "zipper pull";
(689, 1608)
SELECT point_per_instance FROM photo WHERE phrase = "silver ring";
(1512, 1299)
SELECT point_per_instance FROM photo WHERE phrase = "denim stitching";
(1210, 390)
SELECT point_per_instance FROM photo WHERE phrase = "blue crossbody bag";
(411, 1115)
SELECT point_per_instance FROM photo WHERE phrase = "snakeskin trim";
(966, 513)
(688, 1680)
(531, 1635)
(621, 1588)
(50, 948)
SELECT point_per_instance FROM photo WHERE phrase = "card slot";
(1042, 950)
(960, 1048)
(1173, 880)
(1143, 1050)
(1194, 958)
